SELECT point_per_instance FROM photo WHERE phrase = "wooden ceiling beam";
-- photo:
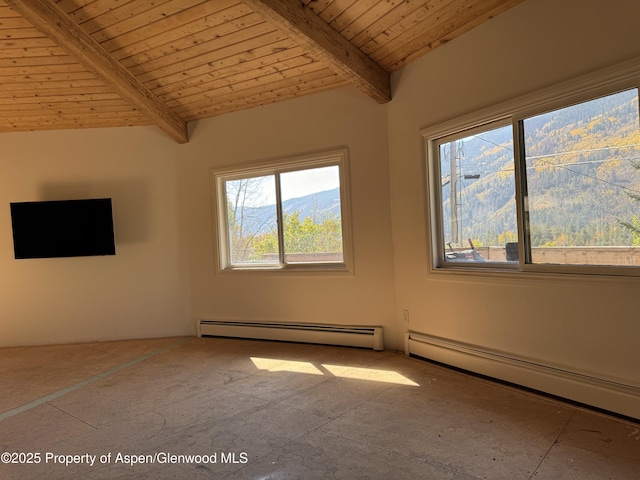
(326, 44)
(47, 17)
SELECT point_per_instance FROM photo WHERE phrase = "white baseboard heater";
(351, 336)
(590, 388)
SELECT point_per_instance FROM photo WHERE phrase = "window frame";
(277, 166)
(434, 172)
(598, 84)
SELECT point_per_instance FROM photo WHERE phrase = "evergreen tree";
(633, 225)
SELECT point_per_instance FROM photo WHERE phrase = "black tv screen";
(63, 228)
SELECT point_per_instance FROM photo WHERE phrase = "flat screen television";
(63, 228)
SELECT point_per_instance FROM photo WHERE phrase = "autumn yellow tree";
(633, 224)
(306, 236)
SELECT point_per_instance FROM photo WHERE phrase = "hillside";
(580, 177)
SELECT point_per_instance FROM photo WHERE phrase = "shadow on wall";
(130, 200)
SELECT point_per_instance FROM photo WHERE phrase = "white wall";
(143, 290)
(583, 325)
(161, 194)
(343, 118)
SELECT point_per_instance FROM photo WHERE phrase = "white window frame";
(336, 157)
(604, 82)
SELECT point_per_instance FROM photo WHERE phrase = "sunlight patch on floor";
(371, 374)
(277, 365)
(341, 371)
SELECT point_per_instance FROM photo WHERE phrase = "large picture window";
(288, 214)
(540, 189)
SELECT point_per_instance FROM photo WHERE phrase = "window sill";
(290, 270)
(582, 275)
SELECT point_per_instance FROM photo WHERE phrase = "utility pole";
(453, 197)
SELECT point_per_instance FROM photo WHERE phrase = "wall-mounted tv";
(63, 228)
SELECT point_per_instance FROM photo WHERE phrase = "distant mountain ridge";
(318, 206)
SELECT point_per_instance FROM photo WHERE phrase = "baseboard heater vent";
(350, 336)
(590, 388)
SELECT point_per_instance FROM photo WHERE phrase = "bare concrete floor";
(235, 409)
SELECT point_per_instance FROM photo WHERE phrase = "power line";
(564, 165)
(535, 157)
(561, 165)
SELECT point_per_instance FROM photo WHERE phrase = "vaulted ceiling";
(106, 63)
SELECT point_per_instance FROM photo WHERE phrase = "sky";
(305, 182)
(292, 185)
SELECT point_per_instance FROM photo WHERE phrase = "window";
(289, 214)
(533, 188)
(477, 192)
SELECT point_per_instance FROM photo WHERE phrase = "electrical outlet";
(405, 316)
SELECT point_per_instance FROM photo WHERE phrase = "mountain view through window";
(581, 173)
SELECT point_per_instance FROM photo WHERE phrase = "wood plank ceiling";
(106, 63)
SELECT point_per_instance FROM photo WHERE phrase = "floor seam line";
(553, 444)
(94, 378)
(71, 415)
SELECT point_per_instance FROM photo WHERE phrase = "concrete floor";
(263, 410)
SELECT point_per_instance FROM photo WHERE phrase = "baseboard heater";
(589, 388)
(351, 336)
